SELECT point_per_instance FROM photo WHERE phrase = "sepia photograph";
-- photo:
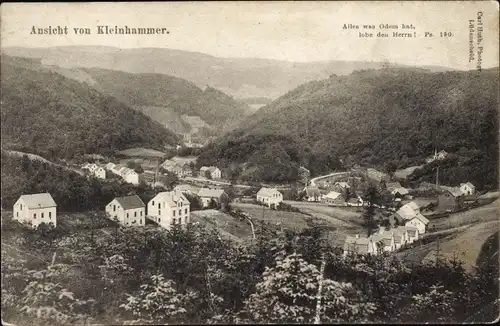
(249, 162)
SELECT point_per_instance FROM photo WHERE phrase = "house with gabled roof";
(169, 208)
(127, 211)
(210, 171)
(269, 196)
(312, 193)
(419, 222)
(35, 209)
(341, 186)
(400, 192)
(207, 195)
(358, 245)
(467, 188)
(334, 198)
(383, 241)
(451, 199)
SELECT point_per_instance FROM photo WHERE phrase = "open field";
(287, 220)
(141, 152)
(225, 223)
(466, 245)
(404, 173)
(480, 214)
(343, 217)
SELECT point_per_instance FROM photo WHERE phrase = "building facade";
(269, 197)
(169, 208)
(127, 211)
(35, 209)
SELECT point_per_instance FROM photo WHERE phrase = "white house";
(401, 191)
(168, 208)
(208, 194)
(130, 176)
(468, 188)
(36, 209)
(99, 173)
(419, 222)
(411, 233)
(128, 211)
(383, 241)
(437, 156)
(269, 196)
(333, 198)
(110, 166)
(213, 172)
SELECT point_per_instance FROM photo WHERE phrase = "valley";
(138, 173)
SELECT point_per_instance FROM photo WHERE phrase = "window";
(186, 219)
(127, 215)
(159, 205)
(159, 219)
(180, 212)
(50, 215)
(135, 214)
(185, 211)
(140, 221)
(159, 212)
(42, 215)
(17, 214)
(140, 213)
(114, 208)
(34, 215)
(173, 213)
(153, 203)
(21, 206)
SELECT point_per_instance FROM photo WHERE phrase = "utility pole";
(437, 251)
(317, 318)
(437, 178)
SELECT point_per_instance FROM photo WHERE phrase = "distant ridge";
(238, 77)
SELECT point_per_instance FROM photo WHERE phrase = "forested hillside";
(183, 97)
(376, 117)
(45, 113)
(71, 191)
(238, 77)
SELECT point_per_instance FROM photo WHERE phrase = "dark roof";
(130, 202)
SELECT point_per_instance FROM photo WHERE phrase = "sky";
(292, 31)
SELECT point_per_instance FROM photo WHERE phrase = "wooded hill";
(46, 113)
(374, 118)
(180, 96)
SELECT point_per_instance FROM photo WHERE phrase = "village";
(401, 215)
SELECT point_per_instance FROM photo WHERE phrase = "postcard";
(249, 162)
